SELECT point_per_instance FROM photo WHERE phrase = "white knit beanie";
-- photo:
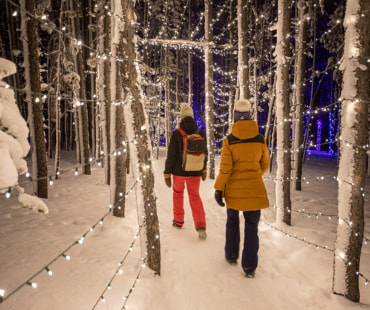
(185, 111)
(242, 105)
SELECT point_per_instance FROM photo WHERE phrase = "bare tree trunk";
(208, 89)
(57, 101)
(91, 36)
(352, 166)
(83, 129)
(118, 127)
(243, 58)
(178, 83)
(106, 94)
(299, 104)
(269, 122)
(283, 201)
(190, 59)
(168, 114)
(35, 105)
(141, 133)
(14, 45)
(231, 66)
(308, 128)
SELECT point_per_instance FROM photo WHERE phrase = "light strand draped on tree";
(140, 130)
(35, 104)
(208, 87)
(283, 202)
(352, 164)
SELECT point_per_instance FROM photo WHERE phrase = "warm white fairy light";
(32, 284)
(298, 238)
(50, 273)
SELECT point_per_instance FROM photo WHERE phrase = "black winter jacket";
(174, 152)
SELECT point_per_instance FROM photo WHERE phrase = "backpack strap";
(182, 131)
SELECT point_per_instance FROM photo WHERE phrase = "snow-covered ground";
(291, 274)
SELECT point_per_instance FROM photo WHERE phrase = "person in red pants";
(244, 159)
(181, 178)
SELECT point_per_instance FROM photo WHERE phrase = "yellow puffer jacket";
(244, 159)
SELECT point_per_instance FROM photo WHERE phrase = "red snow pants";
(196, 204)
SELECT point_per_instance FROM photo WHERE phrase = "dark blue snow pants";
(251, 241)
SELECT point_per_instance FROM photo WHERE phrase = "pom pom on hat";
(185, 111)
(242, 105)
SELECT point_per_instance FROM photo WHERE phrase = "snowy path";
(194, 274)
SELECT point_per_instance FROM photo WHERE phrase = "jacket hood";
(189, 125)
(245, 129)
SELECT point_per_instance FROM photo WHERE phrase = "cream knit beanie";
(185, 111)
(242, 105)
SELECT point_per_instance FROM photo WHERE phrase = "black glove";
(218, 197)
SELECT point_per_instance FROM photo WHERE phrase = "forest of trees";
(105, 79)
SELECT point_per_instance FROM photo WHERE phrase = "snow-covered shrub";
(14, 145)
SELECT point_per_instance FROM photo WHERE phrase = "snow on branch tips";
(14, 144)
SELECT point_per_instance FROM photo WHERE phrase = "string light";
(317, 246)
(63, 254)
(97, 160)
(125, 298)
(120, 264)
(309, 214)
(7, 195)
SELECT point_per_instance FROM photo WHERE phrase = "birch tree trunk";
(142, 139)
(208, 89)
(283, 202)
(83, 128)
(299, 95)
(35, 105)
(352, 165)
(243, 57)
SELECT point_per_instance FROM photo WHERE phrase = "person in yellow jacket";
(244, 159)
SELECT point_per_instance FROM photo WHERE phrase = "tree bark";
(243, 58)
(231, 66)
(190, 59)
(35, 105)
(299, 95)
(208, 89)
(83, 128)
(142, 144)
(352, 165)
(283, 201)
(118, 127)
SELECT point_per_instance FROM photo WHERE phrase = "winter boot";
(250, 274)
(202, 233)
(232, 261)
(177, 224)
